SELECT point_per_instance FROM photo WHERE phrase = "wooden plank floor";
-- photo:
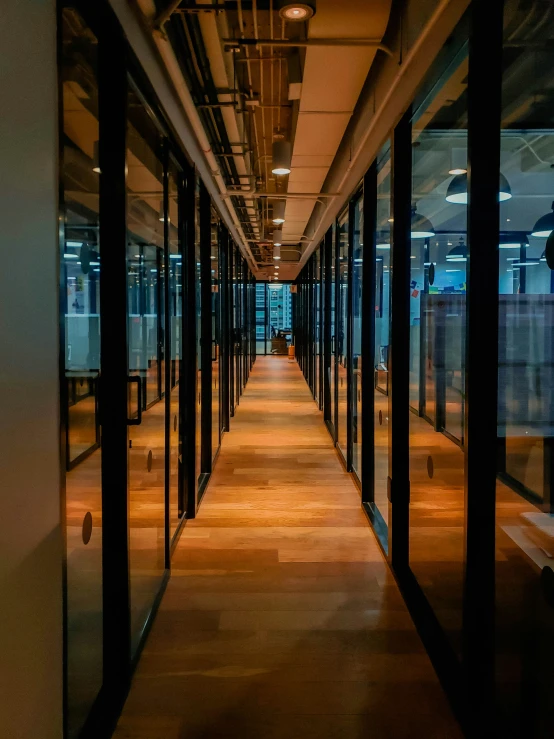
(282, 619)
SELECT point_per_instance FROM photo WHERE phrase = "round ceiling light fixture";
(277, 237)
(296, 12)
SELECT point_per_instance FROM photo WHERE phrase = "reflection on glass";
(80, 286)
(317, 326)
(439, 254)
(198, 283)
(176, 344)
(279, 306)
(342, 330)
(332, 369)
(382, 317)
(145, 290)
(357, 270)
(216, 320)
(262, 320)
(524, 510)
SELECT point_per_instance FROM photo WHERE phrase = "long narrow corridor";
(281, 618)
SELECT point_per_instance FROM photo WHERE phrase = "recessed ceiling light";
(296, 12)
(456, 171)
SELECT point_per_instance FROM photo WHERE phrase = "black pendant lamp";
(457, 189)
(458, 253)
(421, 228)
(545, 225)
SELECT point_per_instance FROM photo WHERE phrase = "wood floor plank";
(282, 619)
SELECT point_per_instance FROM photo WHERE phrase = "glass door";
(216, 343)
(437, 516)
(382, 328)
(80, 256)
(342, 358)
(524, 493)
(357, 267)
(175, 314)
(147, 284)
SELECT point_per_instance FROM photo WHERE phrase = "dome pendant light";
(544, 226)
(95, 158)
(279, 211)
(281, 156)
(458, 253)
(422, 228)
(457, 189)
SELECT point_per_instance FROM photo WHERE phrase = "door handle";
(138, 420)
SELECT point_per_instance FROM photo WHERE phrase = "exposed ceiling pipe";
(164, 47)
(422, 40)
(222, 76)
(231, 43)
(283, 195)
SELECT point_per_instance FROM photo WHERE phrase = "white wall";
(30, 537)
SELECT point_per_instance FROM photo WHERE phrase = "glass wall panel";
(262, 327)
(198, 304)
(317, 322)
(525, 522)
(279, 306)
(176, 343)
(146, 288)
(80, 293)
(216, 322)
(332, 369)
(439, 255)
(382, 318)
(342, 330)
(357, 272)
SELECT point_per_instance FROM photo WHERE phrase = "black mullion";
(349, 337)
(225, 326)
(399, 478)
(113, 91)
(183, 194)
(368, 333)
(267, 319)
(335, 359)
(205, 330)
(327, 328)
(321, 324)
(484, 116)
(245, 322)
(160, 321)
(231, 309)
(191, 365)
(166, 350)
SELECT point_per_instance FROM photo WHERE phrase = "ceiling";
(304, 91)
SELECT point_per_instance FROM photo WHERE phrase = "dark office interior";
(277, 375)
